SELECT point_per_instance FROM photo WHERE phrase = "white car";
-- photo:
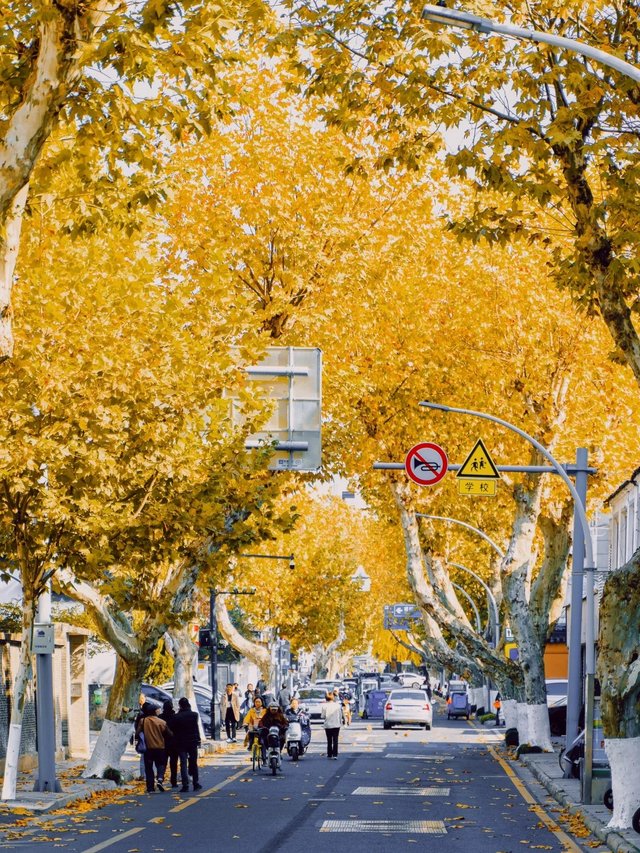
(405, 707)
(408, 679)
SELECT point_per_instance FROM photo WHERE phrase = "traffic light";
(204, 638)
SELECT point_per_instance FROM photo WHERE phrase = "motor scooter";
(569, 759)
(273, 749)
(293, 744)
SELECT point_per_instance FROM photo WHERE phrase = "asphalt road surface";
(447, 789)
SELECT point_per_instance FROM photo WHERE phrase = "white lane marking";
(403, 792)
(419, 756)
(116, 838)
(430, 827)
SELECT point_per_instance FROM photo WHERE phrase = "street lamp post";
(477, 530)
(467, 21)
(213, 631)
(582, 523)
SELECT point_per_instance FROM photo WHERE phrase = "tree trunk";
(121, 711)
(533, 716)
(183, 650)
(478, 653)
(255, 652)
(10, 227)
(619, 674)
(23, 677)
(325, 654)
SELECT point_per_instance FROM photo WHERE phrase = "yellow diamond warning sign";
(478, 465)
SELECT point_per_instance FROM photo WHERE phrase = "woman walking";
(332, 720)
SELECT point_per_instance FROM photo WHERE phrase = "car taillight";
(426, 707)
(388, 707)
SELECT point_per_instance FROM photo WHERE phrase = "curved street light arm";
(582, 515)
(477, 530)
(472, 603)
(457, 18)
(491, 596)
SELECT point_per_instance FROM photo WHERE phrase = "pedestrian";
(187, 738)
(497, 704)
(156, 733)
(284, 697)
(230, 712)
(249, 695)
(168, 715)
(332, 719)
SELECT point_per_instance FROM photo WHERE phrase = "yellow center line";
(551, 825)
(114, 840)
(209, 791)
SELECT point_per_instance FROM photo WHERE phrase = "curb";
(40, 803)
(610, 837)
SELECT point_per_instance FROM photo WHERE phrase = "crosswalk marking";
(403, 792)
(429, 827)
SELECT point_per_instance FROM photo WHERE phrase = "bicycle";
(258, 758)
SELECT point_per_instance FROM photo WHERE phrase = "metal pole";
(457, 18)
(45, 713)
(575, 693)
(477, 530)
(213, 627)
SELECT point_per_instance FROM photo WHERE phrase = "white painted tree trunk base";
(109, 749)
(477, 697)
(538, 726)
(11, 762)
(624, 758)
(510, 713)
(523, 722)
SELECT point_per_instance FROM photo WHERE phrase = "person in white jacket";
(332, 720)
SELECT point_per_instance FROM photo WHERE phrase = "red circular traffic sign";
(426, 464)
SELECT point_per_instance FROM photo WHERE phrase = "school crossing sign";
(478, 474)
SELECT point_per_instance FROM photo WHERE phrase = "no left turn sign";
(426, 464)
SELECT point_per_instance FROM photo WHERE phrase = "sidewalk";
(547, 771)
(75, 788)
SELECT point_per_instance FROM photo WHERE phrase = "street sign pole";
(213, 627)
(574, 686)
(45, 709)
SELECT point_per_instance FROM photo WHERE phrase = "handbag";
(141, 744)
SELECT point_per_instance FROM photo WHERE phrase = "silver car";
(408, 707)
(312, 699)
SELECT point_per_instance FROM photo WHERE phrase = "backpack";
(141, 744)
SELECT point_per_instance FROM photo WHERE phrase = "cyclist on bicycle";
(273, 717)
(252, 719)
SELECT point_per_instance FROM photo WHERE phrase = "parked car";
(203, 702)
(311, 699)
(408, 707)
(408, 679)
(557, 704)
(155, 695)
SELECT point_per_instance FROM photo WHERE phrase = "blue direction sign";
(400, 617)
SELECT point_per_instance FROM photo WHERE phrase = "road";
(448, 787)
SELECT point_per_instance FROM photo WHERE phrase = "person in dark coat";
(169, 715)
(187, 740)
(156, 732)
